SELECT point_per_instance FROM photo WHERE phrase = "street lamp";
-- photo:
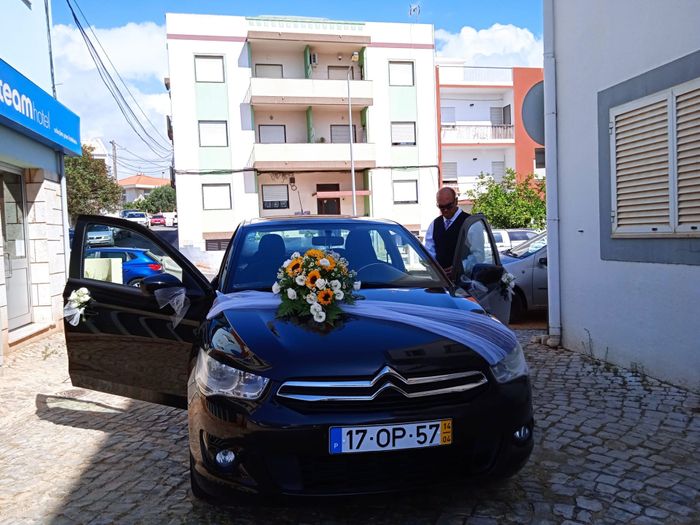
(355, 57)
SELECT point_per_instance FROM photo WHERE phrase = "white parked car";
(139, 217)
(507, 239)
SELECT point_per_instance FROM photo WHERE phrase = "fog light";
(522, 434)
(225, 458)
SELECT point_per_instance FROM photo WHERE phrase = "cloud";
(499, 45)
(138, 52)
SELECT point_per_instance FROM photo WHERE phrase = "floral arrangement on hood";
(314, 284)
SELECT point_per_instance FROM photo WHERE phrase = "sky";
(486, 33)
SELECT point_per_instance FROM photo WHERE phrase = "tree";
(509, 203)
(90, 189)
(161, 199)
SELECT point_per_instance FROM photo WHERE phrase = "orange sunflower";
(311, 279)
(294, 267)
(313, 252)
(325, 297)
(331, 262)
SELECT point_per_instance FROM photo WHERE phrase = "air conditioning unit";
(314, 59)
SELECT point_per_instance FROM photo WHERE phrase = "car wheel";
(135, 282)
(517, 306)
(197, 491)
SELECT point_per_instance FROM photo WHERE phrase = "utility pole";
(114, 159)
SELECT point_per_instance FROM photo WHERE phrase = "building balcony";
(481, 76)
(322, 157)
(456, 134)
(309, 92)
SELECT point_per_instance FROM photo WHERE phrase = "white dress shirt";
(429, 241)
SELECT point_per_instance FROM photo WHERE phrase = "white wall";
(629, 313)
(24, 42)
(294, 122)
(292, 60)
(323, 119)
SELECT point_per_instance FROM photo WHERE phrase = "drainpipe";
(552, 177)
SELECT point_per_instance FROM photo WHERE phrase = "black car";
(278, 406)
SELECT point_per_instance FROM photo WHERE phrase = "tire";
(197, 491)
(135, 282)
(517, 306)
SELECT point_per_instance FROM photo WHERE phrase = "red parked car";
(157, 220)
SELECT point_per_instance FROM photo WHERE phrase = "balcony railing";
(309, 91)
(284, 157)
(475, 75)
(461, 133)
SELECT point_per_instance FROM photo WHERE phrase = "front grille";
(387, 389)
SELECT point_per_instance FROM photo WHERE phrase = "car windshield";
(529, 247)
(135, 215)
(383, 255)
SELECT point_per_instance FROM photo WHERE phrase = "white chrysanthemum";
(83, 291)
(356, 285)
(319, 317)
(291, 293)
(335, 284)
(324, 262)
(296, 255)
(320, 284)
(286, 263)
(315, 308)
(311, 298)
(300, 280)
(276, 288)
(339, 295)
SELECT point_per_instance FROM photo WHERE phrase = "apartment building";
(271, 114)
(481, 125)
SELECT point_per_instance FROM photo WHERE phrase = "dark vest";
(446, 240)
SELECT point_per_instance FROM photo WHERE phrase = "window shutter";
(641, 164)
(449, 172)
(209, 69)
(216, 196)
(496, 116)
(405, 191)
(213, 133)
(340, 133)
(688, 160)
(268, 71)
(498, 170)
(403, 133)
(271, 134)
(400, 73)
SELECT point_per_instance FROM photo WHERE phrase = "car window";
(497, 237)
(477, 249)
(126, 257)
(382, 255)
(520, 236)
(530, 246)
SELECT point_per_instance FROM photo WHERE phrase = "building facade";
(481, 128)
(623, 175)
(36, 132)
(261, 121)
(139, 186)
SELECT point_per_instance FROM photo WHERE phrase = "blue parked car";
(137, 263)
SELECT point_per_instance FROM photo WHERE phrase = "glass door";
(15, 250)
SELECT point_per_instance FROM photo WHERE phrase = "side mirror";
(542, 261)
(155, 282)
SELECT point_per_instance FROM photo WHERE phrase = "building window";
(401, 74)
(496, 116)
(213, 133)
(449, 174)
(272, 134)
(275, 196)
(403, 133)
(269, 71)
(341, 72)
(447, 116)
(405, 191)
(498, 170)
(506, 116)
(216, 245)
(655, 153)
(216, 196)
(341, 134)
(208, 69)
(539, 158)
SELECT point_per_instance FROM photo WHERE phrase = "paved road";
(611, 447)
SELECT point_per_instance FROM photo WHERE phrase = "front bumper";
(282, 451)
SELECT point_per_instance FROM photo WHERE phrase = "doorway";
(328, 206)
(15, 256)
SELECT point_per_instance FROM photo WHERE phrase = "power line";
(164, 157)
(132, 119)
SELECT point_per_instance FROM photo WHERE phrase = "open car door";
(477, 267)
(130, 339)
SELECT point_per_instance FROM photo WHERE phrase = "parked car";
(157, 220)
(278, 406)
(99, 235)
(139, 217)
(170, 218)
(528, 263)
(137, 264)
(507, 239)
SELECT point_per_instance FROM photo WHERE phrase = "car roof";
(310, 219)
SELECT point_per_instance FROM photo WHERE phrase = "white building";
(623, 174)
(139, 186)
(270, 95)
(36, 131)
(481, 129)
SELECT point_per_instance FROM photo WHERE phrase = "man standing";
(441, 237)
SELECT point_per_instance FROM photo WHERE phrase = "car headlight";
(214, 378)
(512, 366)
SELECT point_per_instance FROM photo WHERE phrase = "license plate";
(375, 438)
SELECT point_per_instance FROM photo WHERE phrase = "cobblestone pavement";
(611, 447)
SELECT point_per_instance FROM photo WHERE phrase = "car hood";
(357, 346)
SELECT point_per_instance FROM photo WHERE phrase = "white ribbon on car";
(176, 297)
(490, 339)
(73, 313)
